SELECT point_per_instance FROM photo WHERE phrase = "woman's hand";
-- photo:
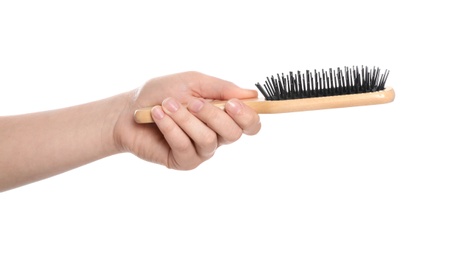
(188, 128)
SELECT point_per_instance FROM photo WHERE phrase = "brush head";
(331, 82)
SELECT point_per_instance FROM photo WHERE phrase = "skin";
(187, 130)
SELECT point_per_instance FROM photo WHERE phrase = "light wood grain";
(261, 106)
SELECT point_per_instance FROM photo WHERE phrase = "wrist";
(120, 121)
(118, 109)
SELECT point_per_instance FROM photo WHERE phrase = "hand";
(188, 129)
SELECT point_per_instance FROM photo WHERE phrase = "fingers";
(182, 153)
(221, 123)
(191, 140)
(203, 137)
(196, 130)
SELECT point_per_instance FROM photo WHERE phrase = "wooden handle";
(261, 106)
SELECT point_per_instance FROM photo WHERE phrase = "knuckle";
(183, 147)
(210, 139)
(250, 122)
(233, 136)
(236, 135)
(253, 129)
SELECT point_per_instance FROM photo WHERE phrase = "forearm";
(39, 145)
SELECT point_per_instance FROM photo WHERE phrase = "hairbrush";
(312, 90)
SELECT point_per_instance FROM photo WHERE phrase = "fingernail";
(157, 113)
(171, 105)
(234, 106)
(195, 105)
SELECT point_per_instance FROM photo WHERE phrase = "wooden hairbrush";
(312, 90)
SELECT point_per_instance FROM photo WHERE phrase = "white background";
(353, 183)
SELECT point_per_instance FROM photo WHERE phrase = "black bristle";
(323, 83)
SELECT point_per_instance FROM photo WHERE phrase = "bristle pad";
(331, 82)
